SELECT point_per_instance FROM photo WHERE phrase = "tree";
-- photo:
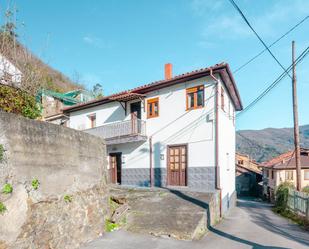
(97, 90)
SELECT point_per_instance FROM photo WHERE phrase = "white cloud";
(95, 41)
(220, 20)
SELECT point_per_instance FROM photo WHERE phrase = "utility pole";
(296, 127)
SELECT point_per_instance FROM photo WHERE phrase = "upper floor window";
(289, 175)
(153, 108)
(92, 119)
(195, 97)
(222, 99)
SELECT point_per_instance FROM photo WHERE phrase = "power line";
(257, 35)
(260, 53)
(275, 83)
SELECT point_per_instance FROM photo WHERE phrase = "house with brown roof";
(178, 132)
(283, 169)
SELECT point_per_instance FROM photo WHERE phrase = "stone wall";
(70, 205)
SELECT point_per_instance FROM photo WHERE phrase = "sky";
(123, 44)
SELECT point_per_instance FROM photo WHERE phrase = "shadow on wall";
(117, 115)
(159, 176)
(216, 231)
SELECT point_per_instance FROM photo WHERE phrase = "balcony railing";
(120, 130)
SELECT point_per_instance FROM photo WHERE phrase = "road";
(251, 224)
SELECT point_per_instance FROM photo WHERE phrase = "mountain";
(36, 73)
(265, 144)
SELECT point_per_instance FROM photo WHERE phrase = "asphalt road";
(251, 224)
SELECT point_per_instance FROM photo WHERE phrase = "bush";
(110, 226)
(7, 189)
(20, 102)
(282, 193)
(305, 189)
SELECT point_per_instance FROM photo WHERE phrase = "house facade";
(283, 169)
(9, 73)
(177, 132)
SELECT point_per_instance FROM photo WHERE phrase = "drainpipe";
(218, 187)
(150, 161)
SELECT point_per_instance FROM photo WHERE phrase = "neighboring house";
(177, 132)
(9, 73)
(53, 103)
(283, 169)
(248, 176)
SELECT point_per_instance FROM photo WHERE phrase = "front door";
(115, 167)
(177, 165)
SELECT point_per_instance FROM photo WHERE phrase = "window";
(222, 99)
(272, 174)
(153, 108)
(195, 97)
(306, 174)
(240, 162)
(92, 118)
(289, 175)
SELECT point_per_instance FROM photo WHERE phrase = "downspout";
(150, 161)
(218, 187)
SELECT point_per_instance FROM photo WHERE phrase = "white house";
(179, 131)
(9, 73)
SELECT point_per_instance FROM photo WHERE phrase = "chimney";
(168, 71)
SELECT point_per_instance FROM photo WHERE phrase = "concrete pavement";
(251, 224)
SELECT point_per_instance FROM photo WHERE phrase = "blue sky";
(122, 44)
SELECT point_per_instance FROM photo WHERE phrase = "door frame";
(115, 170)
(168, 180)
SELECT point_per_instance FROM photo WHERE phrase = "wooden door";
(113, 168)
(177, 165)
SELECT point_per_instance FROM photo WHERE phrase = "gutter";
(217, 178)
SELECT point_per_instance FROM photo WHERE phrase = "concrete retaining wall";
(66, 163)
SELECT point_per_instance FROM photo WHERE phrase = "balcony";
(121, 132)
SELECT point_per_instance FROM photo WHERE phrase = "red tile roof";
(287, 160)
(223, 69)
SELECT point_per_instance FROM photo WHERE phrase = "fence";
(298, 202)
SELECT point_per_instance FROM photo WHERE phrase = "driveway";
(251, 224)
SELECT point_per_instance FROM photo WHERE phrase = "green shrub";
(35, 183)
(7, 189)
(68, 198)
(20, 102)
(305, 189)
(1, 152)
(2, 208)
(282, 193)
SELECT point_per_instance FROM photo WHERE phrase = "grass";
(1, 152)
(68, 198)
(2, 208)
(110, 226)
(35, 183)
(293, 217)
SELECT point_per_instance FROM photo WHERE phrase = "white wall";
(226, 143)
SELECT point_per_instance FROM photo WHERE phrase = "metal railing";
(120, 129)
(298, 202)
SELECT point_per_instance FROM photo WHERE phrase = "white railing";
(120, 129)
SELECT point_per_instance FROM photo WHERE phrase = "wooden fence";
(298, 202)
